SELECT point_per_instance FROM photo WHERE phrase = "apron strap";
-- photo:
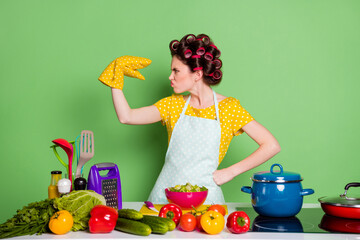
(186, 105)
(216, 106)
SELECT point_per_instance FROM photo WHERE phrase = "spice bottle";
(64, 185)
(53, 189)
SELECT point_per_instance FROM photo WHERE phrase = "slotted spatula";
(86, 150)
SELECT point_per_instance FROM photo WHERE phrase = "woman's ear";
(199, 75)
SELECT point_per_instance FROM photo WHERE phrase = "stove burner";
(308, 220)
(337, 224)
(268, 224)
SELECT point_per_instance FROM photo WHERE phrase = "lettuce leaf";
(79, 204)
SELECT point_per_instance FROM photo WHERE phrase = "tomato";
(187, 222)
(198, 224)
(212, 222)
(217, 208)
(61, 222)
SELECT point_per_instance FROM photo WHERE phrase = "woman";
(200, 125)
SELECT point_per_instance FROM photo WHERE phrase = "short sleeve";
(240, 117)
(163, 107)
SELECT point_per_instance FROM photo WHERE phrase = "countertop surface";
(177, 234)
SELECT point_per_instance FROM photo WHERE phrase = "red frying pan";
(342, 206)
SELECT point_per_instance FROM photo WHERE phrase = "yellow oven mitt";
(113, 75)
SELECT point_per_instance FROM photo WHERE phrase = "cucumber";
(132, 226)
(156, 224)
(171, 224)
(130, 214)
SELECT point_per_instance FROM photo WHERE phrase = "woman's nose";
(171, 77)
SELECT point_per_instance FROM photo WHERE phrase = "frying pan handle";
(353, 184)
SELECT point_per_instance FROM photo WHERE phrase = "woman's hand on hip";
(223, 176)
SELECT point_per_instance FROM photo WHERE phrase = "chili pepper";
(171, 211)
(238, 222)
(103, 219)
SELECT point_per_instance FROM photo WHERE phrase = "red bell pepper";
(103, 219)
(238, 222)
(171, 211)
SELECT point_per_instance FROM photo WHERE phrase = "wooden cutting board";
(146, 211)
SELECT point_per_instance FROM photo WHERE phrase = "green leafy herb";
(31, 219)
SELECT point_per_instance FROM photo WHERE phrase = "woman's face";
(181, 77)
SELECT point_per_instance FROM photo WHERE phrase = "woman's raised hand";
(113, 75)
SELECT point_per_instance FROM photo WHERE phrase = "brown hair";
(199, 52)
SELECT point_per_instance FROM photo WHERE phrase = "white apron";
(192, 156)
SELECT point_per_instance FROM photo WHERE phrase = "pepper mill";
(80, 183)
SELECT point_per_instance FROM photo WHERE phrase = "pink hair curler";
(217, 63)
(197, 68)
(218, 55)
(200, 51)
(204, 39)
(190, 38)
(187, 53)
(208, 56)
(174, 45)
(217, 74)
(195, 56)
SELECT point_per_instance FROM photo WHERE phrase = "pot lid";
(343, 200)
(276, 176)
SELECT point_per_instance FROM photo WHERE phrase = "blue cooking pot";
(277, 193)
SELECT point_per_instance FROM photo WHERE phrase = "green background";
(294, 65)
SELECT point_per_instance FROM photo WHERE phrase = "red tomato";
(187, 222)
(198, 224)
(217, 208)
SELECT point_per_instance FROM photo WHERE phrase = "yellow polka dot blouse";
(232, 117)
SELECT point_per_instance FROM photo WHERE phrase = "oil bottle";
(53, 191)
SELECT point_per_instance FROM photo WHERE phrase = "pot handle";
(307, 191)
(278, 165)
(246, 189)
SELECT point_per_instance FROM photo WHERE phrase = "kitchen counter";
(225, 234)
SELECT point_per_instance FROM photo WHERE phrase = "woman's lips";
(172, 84)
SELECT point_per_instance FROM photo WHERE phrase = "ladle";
(68, 148)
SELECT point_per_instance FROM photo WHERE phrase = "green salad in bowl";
(188, 187)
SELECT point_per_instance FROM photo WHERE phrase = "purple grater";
(108, 185)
